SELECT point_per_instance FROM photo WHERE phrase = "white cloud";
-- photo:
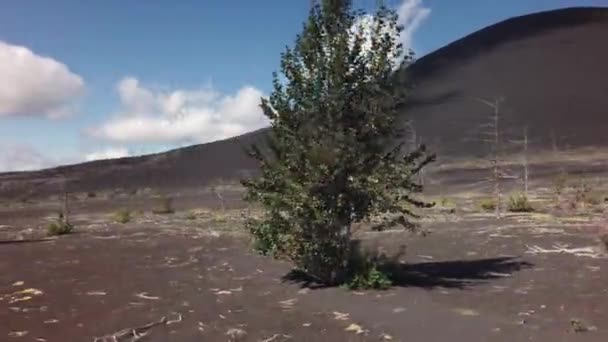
(24, 157)
(21, 157)
(108, 153)
(411, 14)
(35, 85)
(179, 116)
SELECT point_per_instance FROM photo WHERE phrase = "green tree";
(335, 154)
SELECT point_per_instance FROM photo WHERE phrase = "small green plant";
(165, 206)
(372, 278)
(487, 204)
(60, 227)
(123, 216)
(519, 204)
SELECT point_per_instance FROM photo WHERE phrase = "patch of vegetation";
(559, 185)
(219, 217)
(519, 204)
(582, 191)
(165, 206)
(59, 227)
(487, 204)
(327, 167)
(91, 194)
(191, 215)
(123, 216)
(370, 278)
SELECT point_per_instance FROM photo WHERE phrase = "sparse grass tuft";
(165, 206)
(122, 216)
(487, 204)
(191, 216)
(59, 227)
(519, 204)
(371, 278)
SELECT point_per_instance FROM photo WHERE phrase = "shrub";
(59, 228)
(559, 184)
(191, 215)
(123, 216)
(165, 206)
(487, 204)
(91, 194)
(370, 278)
(519, 204)
(325, 166)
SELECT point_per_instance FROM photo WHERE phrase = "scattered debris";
(306, 325)
(235, 334)
(340, 316)
(51, 321)
(18, 283)
(17, 333)
(144, 295)
(96, 293)
(136, 333)
(466, 312)
(288, 304)
(173, 321)
(356, 328)
(386, 337)
(272, 338)
(579, 326)
(590, 252)
(201, 326)
(398, 310)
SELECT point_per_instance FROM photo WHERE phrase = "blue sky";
(112, 78)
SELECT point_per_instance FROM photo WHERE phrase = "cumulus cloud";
(24, 157)
(411, 14)
(34, 85)
(21, 157)
(108, 153)
(179, 116)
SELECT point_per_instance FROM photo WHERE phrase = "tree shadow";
(457, 274)
(24, 241)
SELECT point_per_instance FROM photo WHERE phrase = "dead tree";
(216, 191)
(490, 132)
(414, 141)
(524, 142)
(65, 212)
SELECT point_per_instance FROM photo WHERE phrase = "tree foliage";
(335, 155)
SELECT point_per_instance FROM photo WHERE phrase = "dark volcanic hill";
(551, 69)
